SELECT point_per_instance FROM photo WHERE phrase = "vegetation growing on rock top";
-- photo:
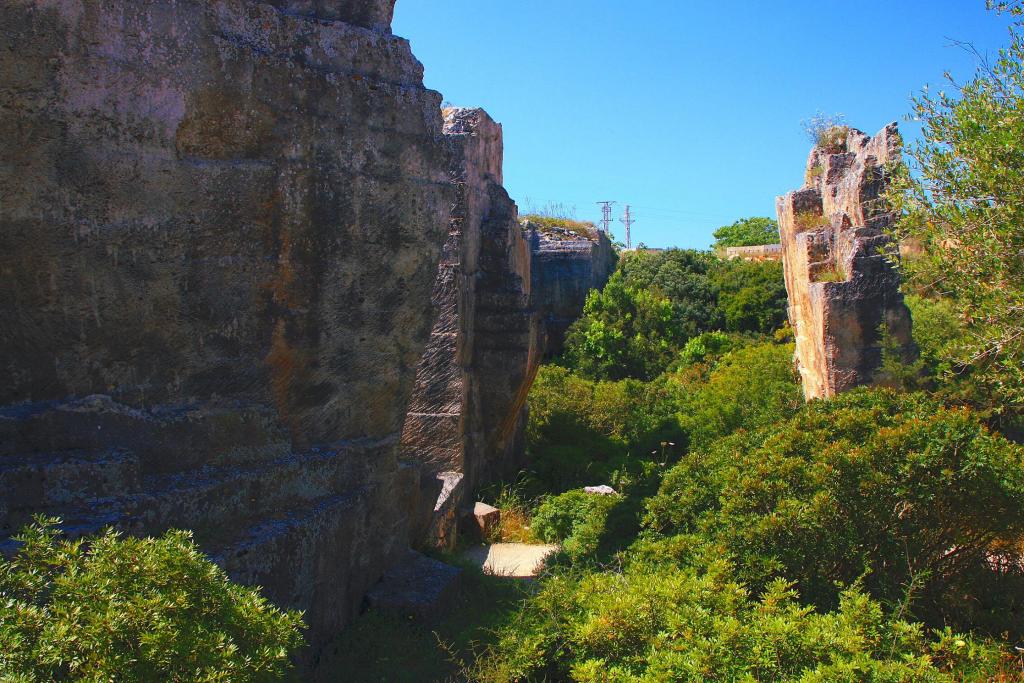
(559, 227)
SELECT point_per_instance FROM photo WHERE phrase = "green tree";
(117, 608)
(625, 332)
(748, 232)
(964, 205)
(751, 295)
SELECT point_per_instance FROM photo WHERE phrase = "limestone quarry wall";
(220, 223)
(841, 287)
(465, 421)
(564, 271)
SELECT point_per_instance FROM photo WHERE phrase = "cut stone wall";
(220, 222)
(841, 287)
(465, 421)
(565, 269)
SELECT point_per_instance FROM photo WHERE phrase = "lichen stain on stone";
(223, 124)
(285, 363)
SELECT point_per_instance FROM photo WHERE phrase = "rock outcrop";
(220, 223)
(466, 419)
(565, 268)
(841, 287)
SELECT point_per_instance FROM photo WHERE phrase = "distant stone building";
(762, 252)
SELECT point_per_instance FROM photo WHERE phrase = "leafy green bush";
(706, 347)
(914, 500)
(748, 232)
(686, 625)
(576, 519)
(749, 388)
(624, 332)
(128, 609)
(580, 431)
(751, 295)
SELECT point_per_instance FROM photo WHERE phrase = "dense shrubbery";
(575, 519)
(677, 624)
(118, 608)
(748, 388)
(751, 294)
(913, 500)
(656, 302)
(583, 431)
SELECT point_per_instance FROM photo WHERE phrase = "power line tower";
(628, 220)
(606, 214)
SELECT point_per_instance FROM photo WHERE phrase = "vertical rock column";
(465, 421)
(841, 287)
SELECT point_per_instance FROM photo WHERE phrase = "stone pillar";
(471, 383)
(841, 287)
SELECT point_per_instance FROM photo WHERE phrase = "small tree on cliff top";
(965, 206)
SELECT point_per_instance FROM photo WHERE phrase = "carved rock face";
(224, 217)
(373, 14)
(841, 287)
(564, 272)
(466, 415)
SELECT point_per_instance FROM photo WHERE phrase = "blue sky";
(688, 110)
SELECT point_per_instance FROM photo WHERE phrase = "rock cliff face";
(841, 288)
(565, 269)
(220, 222)
(468, 408)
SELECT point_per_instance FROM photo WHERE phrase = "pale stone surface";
(841, 288)
(602, 490)
(219, 226)
(762, 252)
(512, 560)
(487, 518)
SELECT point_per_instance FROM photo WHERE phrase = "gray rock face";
(219, 227)
(468, 407)
(565, 269)
(841, 288)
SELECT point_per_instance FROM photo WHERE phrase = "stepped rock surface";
(841, 286)
(220, 222)
(566, 267)
(467, 414)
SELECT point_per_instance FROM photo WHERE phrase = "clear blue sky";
(689, 110)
